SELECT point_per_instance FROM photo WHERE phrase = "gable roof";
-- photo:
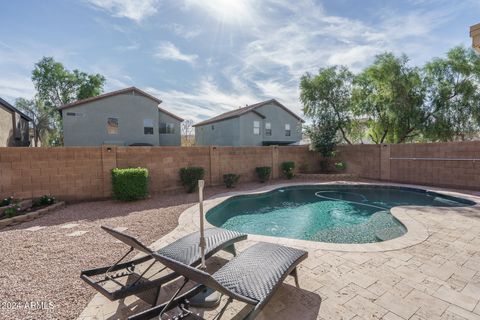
(241, 111)
(117, 92)
(12, 108)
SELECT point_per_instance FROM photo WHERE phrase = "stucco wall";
(278, 117)
(224, 133)
(170, 139)
(90, 127)
(239, 131)
(6, 127)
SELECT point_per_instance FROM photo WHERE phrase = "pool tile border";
(416, 232)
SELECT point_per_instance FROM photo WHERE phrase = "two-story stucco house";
(265, 123)
(125, 117)
(14, 126)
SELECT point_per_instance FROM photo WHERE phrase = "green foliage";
(6, 201)
(389, 96)
(328, 96)
(35, 109)
(190, 176)
(288, 168)
(130, 184)
(57, 86)
(393, 102)
(230, 179)
(263, 173)
(46, 200)
(340, 165)
(12, 211)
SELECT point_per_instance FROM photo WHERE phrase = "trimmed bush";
(11, 212)
(263, 173)
(6, 202)
(341, 166)
(46, 200)
(230, 179)
(130, 183)
(288, 168)
(190, 176)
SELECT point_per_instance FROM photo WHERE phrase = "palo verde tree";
(57, 86)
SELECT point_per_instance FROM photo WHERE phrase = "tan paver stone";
(397, 305)
(392, 316)
(463, 313)
(472, 290)
(456, 298)
(365, 308)
(330, 310)
(429, 306)
(362, 280)
(410, 274)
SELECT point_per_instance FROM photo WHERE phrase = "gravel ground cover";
(42, 259)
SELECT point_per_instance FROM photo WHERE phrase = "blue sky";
(203, 58)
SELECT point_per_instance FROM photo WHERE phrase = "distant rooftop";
(117, 92)
(12, 108)
(241, 111)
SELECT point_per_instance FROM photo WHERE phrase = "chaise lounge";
(121, 280)
(251, 277)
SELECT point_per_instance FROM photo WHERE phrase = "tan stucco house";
(14, 126)
(125, 117)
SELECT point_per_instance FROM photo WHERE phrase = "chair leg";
(231, 249)
(294, 274)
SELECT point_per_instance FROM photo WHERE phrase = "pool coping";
(416, 232)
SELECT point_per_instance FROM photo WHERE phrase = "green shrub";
(6, 202)
(230, 179)
(46, 200)
(130, 183)
(340, 165)
(11, 212)
(288, 168)
(190, 176)
(263, 173)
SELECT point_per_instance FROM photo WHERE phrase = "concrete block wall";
(83, 173)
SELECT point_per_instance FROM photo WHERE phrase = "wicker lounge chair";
(120, 279)
(251, 277)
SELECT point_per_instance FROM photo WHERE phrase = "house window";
(147, 126)
(287, 130)
(268, 129)
(112, 125)
(256, 127)
(166, 128)
(213, 127)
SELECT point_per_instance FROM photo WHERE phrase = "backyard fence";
(82, 173)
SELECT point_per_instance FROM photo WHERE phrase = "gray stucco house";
(14, 126)
(125, 117)
(264, 123)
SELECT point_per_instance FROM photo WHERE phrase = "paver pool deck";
(433, 272)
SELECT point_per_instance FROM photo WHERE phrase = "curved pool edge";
(416, 231)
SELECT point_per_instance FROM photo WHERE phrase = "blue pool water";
(326, 213)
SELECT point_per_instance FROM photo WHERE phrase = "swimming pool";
(326, 213)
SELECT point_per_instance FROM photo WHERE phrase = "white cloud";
(168, 51)
(188, 33)
(132, 9)
(13, 86)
